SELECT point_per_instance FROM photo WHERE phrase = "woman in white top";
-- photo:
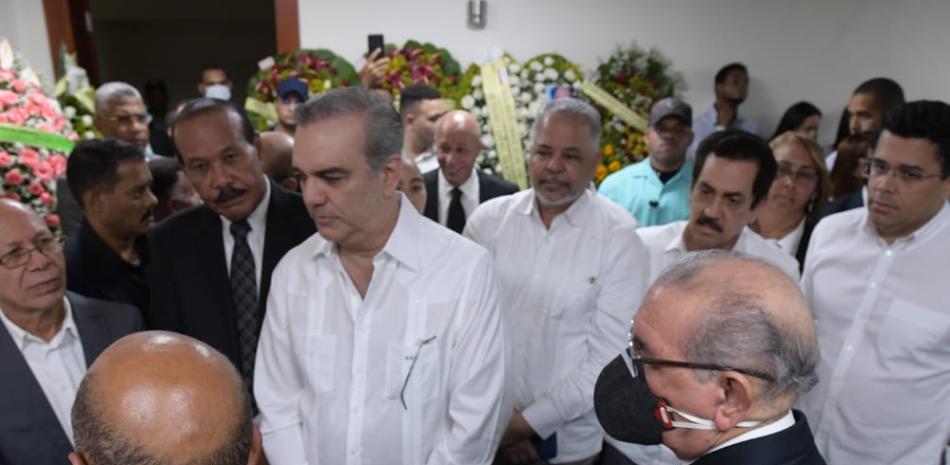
(798, 194)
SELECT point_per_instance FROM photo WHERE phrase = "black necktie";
(244, 295)
(456, 219)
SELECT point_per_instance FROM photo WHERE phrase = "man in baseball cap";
(290, 93)
(656, 190)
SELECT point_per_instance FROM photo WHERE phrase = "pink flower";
(45, 127)
(52, 220)
(5, 159)
(12, 196)
(16, 116)
(44, 172)
(38, 99)
(36, 189)
(58, 162)
(8, 98)
(14, 177)
(46, 198)
(29, 157)
(19, 86)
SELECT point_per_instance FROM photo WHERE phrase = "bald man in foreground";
(162, 398)
(721, 348)
(456, 188)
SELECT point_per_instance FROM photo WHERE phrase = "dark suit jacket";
(95, 270)
(489, 187)
(793, 446)
(188, 274)
(30, 434)
(803, 243)
(844, 203)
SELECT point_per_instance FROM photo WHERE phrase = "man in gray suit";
(48, 338)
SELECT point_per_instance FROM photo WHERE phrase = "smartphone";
(375, 41)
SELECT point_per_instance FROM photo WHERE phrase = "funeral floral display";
(637, 78)
(321, 69)
(30, 123)
(424, 63)
(473, 101)
(76, 96)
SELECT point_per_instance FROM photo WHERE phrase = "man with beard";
(656, 190)
(731, 179)
(211, 266)
(876, 278)
(571, 272)
(106, 257)
(732, 88)
(291, 93)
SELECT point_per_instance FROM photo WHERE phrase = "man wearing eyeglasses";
(120, 114)
(877, 279)
(48, 338)
(718, 352)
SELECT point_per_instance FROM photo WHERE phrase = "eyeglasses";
(21, 256)
(876, 167)
(803, 177)
(639, 360)
(128, 119)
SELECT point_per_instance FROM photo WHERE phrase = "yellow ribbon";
(504, 123)
(615, 106)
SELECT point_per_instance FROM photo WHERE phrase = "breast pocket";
(321, 354)
(576, 301)
(912, 331)
(413, 373)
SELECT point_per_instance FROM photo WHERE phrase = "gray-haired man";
(382, 341)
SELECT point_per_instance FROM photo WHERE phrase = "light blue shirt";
(638, 189)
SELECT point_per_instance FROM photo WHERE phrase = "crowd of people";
(349, 288)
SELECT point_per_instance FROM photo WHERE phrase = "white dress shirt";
(568, 293)
(333, 368)
(255, 238)
(427, 161)
(470, 196)
(57, 365)
(883, 323)
(665, 245)
(789, 243)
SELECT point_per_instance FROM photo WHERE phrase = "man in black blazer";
(48, 338)
(721, 347)
(846, 202)
(211, 265)
(456, 188)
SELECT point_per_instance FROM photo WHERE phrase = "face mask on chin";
(218, 91)
(629, 411)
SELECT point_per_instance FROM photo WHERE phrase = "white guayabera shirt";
(883, 320)
(568, 295)
(413, 373)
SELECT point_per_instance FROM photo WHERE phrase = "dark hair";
(164, 176)
(384, 130)
(922, 119)
(210, 66)
(204, 105)
(845, 176)
(95, 164)
(795, 116)
(888, 94)
(412, 96)
(736, 144)
(723, 72)
(844, 129)
(103, 444)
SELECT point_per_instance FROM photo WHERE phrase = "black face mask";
(625, 406)
(629, 411)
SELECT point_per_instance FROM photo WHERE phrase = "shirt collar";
(784, 423)
(712, 116)
(66, 331)
(575, 215)
(677, 243)
(468, 188)
(258, 218)
(403, 242)
(938, 221)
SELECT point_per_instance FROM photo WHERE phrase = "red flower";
(52, 220)
(29, 157)
(44, 171)
(5, 159)
(16, 116)
(46, 198)
(58, 162)
(19, 86)
(36, 189)
(8, 98)
(14, 177)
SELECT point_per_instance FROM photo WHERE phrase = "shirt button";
(888, 253)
